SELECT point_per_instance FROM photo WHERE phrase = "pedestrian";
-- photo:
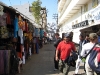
(58, 39)
(81, 43)
(86, 39)
(86, 48)
(65, 48)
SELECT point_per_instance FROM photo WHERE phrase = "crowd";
(67, 55)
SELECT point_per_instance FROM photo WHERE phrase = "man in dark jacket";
(58, 39)
(81, 43)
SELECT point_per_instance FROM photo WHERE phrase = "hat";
(67, 35)
(93, 36)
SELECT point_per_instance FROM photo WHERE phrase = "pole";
(55, 16)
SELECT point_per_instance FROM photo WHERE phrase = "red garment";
(65, 49)
(8, 18)
(19, 54)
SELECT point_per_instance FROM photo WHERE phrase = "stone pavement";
(43, 63)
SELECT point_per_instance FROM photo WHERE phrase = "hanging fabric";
(4, 61)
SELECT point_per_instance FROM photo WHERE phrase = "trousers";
(77, 65)
(64, 67)
(55, 63)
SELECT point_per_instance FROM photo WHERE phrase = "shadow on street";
(43, 63)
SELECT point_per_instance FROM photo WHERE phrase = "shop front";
(90, 25)
(93, 17)
(13, 45)
(76, 30)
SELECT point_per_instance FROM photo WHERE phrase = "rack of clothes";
(8, 60)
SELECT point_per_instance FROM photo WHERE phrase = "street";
(43, 63)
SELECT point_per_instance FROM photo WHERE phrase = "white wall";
(24, 9)
(68, 24)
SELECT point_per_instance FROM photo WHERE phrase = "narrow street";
(43, 64)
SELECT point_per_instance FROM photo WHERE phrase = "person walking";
(58, 39)
(86, 48)
(65, 48)
(81, 43)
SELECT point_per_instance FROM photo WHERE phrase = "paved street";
(43, 64)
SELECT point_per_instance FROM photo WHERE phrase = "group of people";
(65, 47)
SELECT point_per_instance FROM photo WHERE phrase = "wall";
(67, 26)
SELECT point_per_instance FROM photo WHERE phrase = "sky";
(51, 6)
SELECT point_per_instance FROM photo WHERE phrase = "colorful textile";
(3, 32)
(20, 34)
(8, 18)
(16, 24)
(3, 19)
(26, 26)
(1, 62)
(4, 61)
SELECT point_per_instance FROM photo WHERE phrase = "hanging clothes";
(26, 26)
(20, 34)
(3, 19)
(23, 27)
(1, 62)
(15, 26)
(3, 32)
(8, 21)
(4, 62)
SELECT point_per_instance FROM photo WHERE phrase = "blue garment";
(36, 32)
(16, 24)
(15, 27)
(41, 33)
(98, 39)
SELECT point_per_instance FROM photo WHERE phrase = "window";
(85, 7)
(94, 3)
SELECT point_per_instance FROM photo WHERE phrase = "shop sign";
(94, 14)
(81, 24)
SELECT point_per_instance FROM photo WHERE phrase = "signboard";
(94, 14)
(81, 24)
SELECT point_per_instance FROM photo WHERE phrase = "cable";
(10, 2)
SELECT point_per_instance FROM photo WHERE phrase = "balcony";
(73, 7)
(64, 7)
(60, 5)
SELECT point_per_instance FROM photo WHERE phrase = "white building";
(24, 9)
(76, 15)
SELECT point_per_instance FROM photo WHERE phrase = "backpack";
(94, 59)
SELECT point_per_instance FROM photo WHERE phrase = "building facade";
(77, 15)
